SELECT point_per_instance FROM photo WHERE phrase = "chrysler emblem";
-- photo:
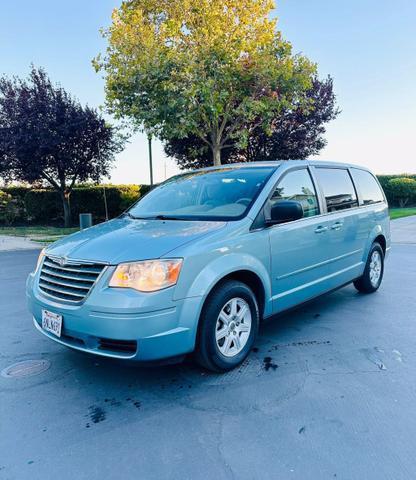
(61, 261)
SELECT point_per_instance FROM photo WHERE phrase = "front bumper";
(122, 323)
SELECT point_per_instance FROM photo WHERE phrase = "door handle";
(321, 229)
(336, 226)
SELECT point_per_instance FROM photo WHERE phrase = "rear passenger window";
(297, 185)
(368, 186)
(338, 188)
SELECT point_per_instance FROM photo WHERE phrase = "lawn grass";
(46, 240)
(41, 235)
(36, 231)
(401, 212)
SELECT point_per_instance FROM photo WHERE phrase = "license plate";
(52, 322)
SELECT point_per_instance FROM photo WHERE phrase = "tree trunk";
(67, 208)
(216, 155)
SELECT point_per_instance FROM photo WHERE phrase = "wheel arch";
(249, 278)
(381, 239)
(376, 235)
(243, 267)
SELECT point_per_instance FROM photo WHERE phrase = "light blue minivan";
(197, 263)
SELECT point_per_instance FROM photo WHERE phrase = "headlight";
(40, 258)
(147, 276)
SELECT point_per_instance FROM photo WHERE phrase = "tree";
(46, 135)
(212, 69)
(403, 190)
(295, 133)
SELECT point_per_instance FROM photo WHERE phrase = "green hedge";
(44, 206)
(389, 188)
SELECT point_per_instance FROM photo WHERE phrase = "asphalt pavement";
(329, 392)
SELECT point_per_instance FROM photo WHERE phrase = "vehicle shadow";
(313, 323)
(311, 338)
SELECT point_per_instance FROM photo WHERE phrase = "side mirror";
(285, 211)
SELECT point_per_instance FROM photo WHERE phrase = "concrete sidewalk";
(403, 230)
(8, 243)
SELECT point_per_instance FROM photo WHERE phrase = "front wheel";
(371, 279)
(228, 326)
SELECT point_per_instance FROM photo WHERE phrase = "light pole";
(149, 139)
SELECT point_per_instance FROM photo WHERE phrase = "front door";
(299, 249)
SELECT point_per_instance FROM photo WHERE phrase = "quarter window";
(338, 188)
(368, 186)
(297, 185)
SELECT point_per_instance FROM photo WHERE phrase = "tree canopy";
(295, 133)
(46, 135)
(213, 69)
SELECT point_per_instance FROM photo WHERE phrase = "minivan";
(198, 262)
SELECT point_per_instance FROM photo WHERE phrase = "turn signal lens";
(147, 276)
(40, 258)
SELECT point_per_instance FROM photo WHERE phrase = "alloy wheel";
(233, 327)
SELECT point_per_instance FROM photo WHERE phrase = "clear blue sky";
(368, 46)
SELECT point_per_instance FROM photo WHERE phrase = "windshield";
(223, 194)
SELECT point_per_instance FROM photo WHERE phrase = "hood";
(125, 239)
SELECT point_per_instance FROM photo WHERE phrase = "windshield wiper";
(155, 217)
(135, 218)
(166, 217)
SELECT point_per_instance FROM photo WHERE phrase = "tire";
(228, 326)
(371, 279)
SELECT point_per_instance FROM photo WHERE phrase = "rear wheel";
(371, 279)
(228, 326)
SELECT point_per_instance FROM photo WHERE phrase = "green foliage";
(5, 200)
(10, 208)
(295, 133)
(402, 190)
(44, 206)
(210, 68)
(389, 188)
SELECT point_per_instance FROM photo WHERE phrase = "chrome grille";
(70, 281)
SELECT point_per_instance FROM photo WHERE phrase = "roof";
(277, 163)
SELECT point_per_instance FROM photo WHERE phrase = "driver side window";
(297, 186)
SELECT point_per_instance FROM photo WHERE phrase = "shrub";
(44, 206)
(5, 200)
(10, 208)
(402, 190)
(389, 188)
(91, 199)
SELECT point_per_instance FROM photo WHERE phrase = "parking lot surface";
(328, 392)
